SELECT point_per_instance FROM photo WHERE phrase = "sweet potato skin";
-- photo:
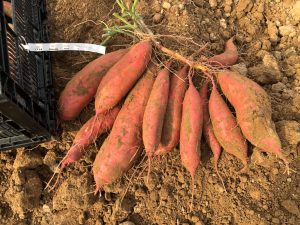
(207, 126)
(88, 133)
(155, 112)
(172, 120)
(122, 76)
(227, 58)
(191, 130)
(80, 90)
(253, 110)
(124, 143)
(225, 128)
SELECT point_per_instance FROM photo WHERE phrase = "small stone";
(239, 190)
(240, 68)
(272, 31)
(157, 8)
(275, 171)
(181, 6)
(223, 23)
(212, 37)
(278, 87)
(289, 131)
(275, 220)
(289, 180)
(199, 223)
(251, 212)
(157, 18)
(277, 55)
(255, 194)
(127, 223)
(140, 192)
(291, 207)
(46, 209)
(166, 5)
(227, 9)
(243, 179)
(195, 219)
(286, 96)
(265, 207)
(286, 30)
(199, 3)
(213, 3)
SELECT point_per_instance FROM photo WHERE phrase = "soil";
(267, 34)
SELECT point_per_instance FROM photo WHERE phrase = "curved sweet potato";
(88, 133)
(122, 76)
(124, 142)
(253, 111)
(207, 127)
(155, 112)
(172, 120)
(80, 90)
(227, 58)
(225, 128)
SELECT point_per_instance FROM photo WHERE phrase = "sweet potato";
(8, 9)
(172, 119)
(155, 113)
(253, 111)
(122, 76)
(225, 127)
(124, 142)
(81, 89)
(191, 131)
(88, 133)
(208, 129)
(227, 58)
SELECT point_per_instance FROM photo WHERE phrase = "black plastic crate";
(27, 102)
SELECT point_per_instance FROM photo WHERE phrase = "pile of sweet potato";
(147, 107)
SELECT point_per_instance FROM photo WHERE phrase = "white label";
(39, 47)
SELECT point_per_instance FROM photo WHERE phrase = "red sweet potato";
(225, 127)
(227, 58)
(172, 119)
(80, 90)
(124, 142)
(191, 131)
(155, 112)
(8, 9)
(88, 133)
(207, 127)
(253, 111)
(122, 76)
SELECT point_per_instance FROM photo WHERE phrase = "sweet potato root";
(122, 76)
(80, 90)
(172, 119)
(191, 131)
(155, 113)
(227, 58)
(208, 129)
(88, 133)
(225, 128)
(124, 143)
(253, 111)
